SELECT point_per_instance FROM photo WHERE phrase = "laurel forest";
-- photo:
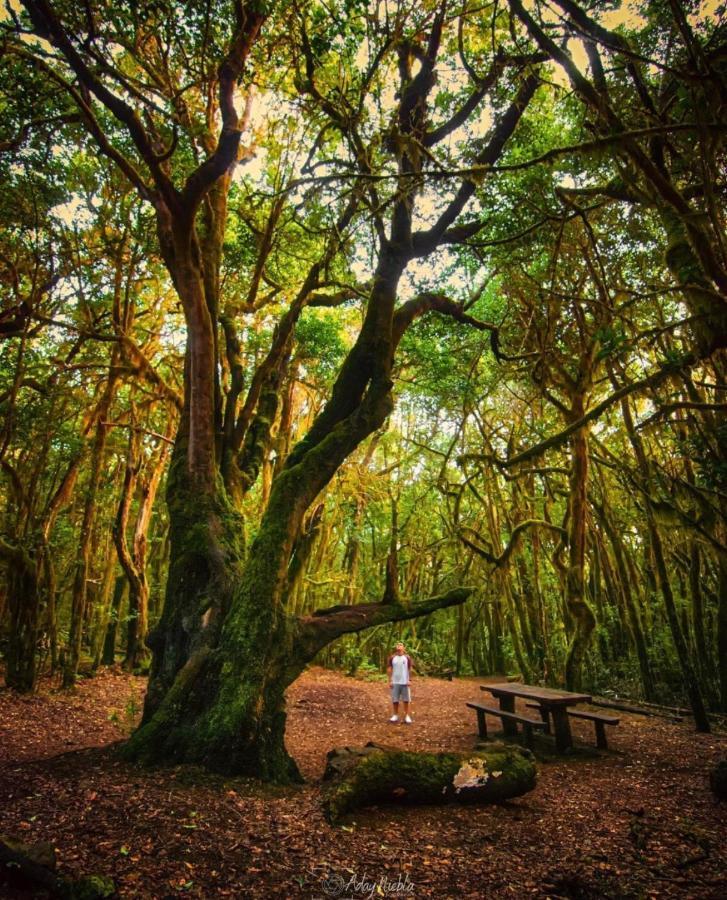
(326, 323)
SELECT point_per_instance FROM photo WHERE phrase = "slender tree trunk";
(722, 632)
(689, 676)
(704, 657)
(133, 560)
(102, 610)
(108, 655)
(579, 611)
(636, 629)
(79, 592)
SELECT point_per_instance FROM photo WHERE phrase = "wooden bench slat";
(582, 714)
(593, 717)
(503, 714)
(599, 721)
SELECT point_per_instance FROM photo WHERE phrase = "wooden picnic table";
(551, 701)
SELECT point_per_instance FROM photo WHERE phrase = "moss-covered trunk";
(633, 613)
(204, 562)
(225, 649)
(84, 554)
(691, 684)
(24, 603)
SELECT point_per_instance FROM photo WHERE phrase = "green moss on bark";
(432, 778)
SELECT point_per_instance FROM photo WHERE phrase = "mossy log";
(361, 776)
(32, 866)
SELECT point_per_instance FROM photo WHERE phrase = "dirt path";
(638, 822)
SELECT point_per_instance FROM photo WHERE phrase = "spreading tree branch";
(326, 625)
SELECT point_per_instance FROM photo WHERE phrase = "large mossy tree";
(161, 90)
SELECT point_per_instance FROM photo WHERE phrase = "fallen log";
(362, 776)
(644, 708)
(33, 866)
(637, 710)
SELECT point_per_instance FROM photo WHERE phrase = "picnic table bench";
(509, 717)
(599, 720)
(553, 705)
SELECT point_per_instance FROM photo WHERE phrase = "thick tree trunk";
(226, 648)
(205, 557)
(24, 603)
(224, 706)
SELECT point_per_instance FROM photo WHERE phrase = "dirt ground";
(638, 821)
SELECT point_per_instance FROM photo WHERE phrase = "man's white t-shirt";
(400, 666)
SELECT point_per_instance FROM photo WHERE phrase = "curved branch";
(668, 408)
(557, 440)
(250, 18)
(92, 124)
(499, 562)
(326, 625)
(425, 242)
(413, 309)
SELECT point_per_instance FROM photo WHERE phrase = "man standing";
(399, 668)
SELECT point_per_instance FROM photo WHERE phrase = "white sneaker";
(408, 720)
(394, 719)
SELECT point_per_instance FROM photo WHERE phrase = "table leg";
(507, 704)
(561, 726)
(545, 716)
(481, 723)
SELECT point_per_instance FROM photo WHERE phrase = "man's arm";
(389, 670)
(409, 668)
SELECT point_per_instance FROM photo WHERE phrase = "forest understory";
(637, 821)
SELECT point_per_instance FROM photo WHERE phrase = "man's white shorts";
(400, 692)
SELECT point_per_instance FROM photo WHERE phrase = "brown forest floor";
(636, 822)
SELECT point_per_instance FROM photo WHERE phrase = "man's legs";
(406, 698)
(395, 702)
